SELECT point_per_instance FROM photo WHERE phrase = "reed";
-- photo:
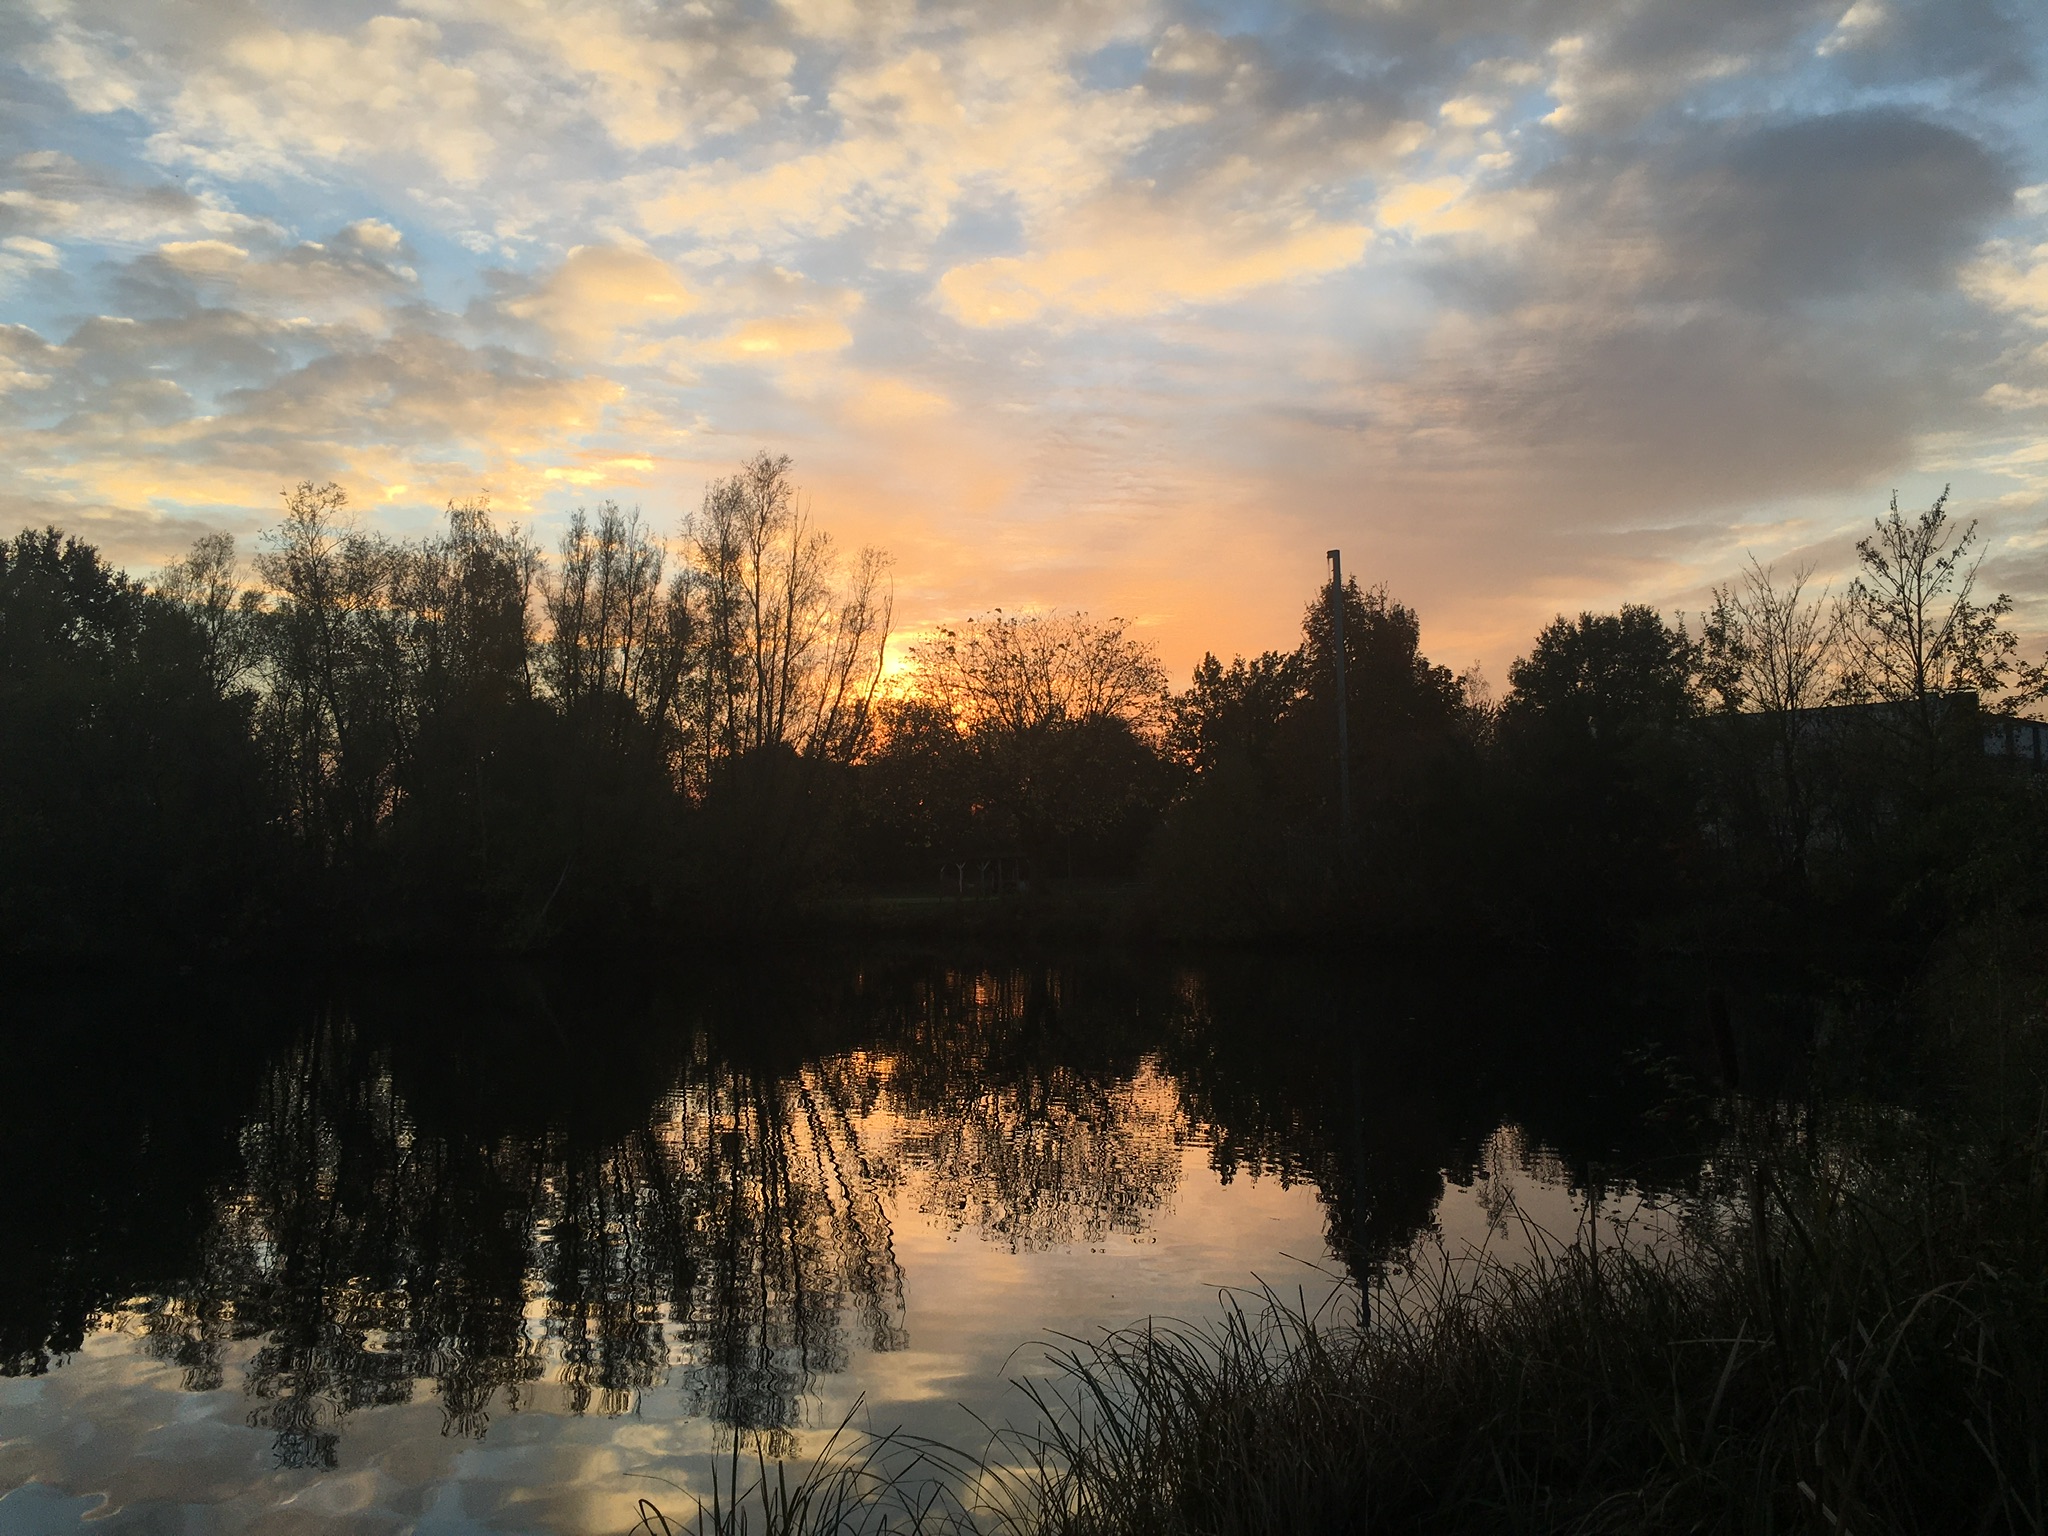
(1846, 1331)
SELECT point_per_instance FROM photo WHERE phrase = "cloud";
(1645, 55)
(48, 195)
(921, 137)
(651, 77)
(219, 386)
(414, 408)
(1663, 332)
(354, 277)
(27, 362)
(785, 336)
(600, 292)
(1521, 299)
(2012, 278)
(22, 254)
(272, 100)
(1835, 204)
(1124, 258)
(879, 400)
(1977, 41)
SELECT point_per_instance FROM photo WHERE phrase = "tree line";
(466, 740)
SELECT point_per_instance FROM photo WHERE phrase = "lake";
(510, 1249)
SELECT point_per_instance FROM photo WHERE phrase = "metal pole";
(1343, 698)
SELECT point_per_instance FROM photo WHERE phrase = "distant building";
(2018, 741)
(1957, 718)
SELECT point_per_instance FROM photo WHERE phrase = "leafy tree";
(1252, 846)
(1615, 675)
(1407, 719)
(1235, 714)
(1601, 795)
(1395, 692)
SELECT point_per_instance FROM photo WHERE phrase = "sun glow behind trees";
(467, 736)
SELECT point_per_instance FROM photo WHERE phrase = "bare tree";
(332, 709)
(1772, 652)
(615, 630)
(1058, 718)
(842, 704)
(1012, 673)
(465, 601)
(1769, 649)
(207, 584)
(1913, 632)
(791, 656)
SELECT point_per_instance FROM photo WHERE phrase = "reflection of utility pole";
(1343, 699)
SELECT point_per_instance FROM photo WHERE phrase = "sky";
(1531, 306)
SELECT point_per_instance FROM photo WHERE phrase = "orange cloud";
(600, 291)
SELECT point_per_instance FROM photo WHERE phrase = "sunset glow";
(1135, 308)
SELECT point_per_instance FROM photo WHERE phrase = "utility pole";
(1343, 695)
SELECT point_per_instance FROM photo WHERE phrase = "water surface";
(505, 1251)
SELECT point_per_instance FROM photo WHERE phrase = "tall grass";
(1847, 1331)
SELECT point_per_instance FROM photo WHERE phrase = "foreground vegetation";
(1844, 1328)
(459, 742)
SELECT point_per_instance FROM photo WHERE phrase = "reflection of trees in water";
(386, 1233)
(732, 1237)
(733, 1242)
(495, 1208)
(1376, 1089)
(1292, 1097)
(386, 1226)
(1018, 1115)
(794, 1239)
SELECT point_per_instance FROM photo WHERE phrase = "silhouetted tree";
(791, 657)
(475, 837)
(618, 640)
(333, 709)
(1602, 765)
(1254, 844)
(131, 809)
(1053, 722)
(1768, 660)
(1620, 675)
(206, 585)
(1913, 632)
(1235, 714)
